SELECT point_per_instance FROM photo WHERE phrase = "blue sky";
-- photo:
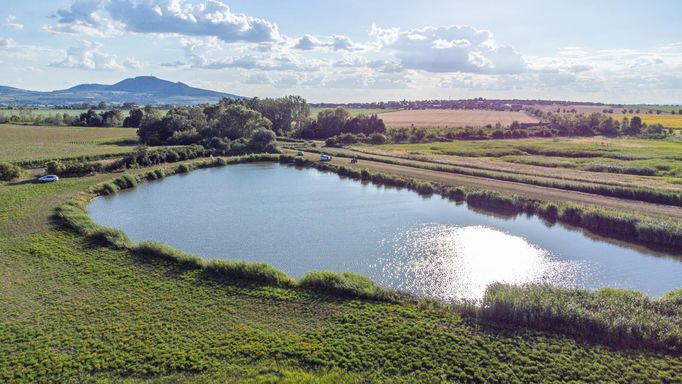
(353, 50)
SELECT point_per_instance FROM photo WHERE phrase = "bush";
(73, 168)
(378, 138)
(9, 172)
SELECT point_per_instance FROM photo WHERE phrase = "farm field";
(667, 120)
(664, 108)
(353, 111)
(578, 108)
(44, 112)
(23, 142)
(431, 118)
(619, 156)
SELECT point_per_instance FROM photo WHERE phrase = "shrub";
(9, 172)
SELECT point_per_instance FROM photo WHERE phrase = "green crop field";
(663, 108)
(22, 143)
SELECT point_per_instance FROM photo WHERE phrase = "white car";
(325, 157)
(48, 178)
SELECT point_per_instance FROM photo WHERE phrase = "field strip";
(535, 171)
(521, 189)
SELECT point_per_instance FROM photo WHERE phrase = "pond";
(302, 220)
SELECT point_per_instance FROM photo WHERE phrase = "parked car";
(324, 157)
(48, 178)
(300, 153)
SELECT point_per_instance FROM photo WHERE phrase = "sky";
(354, 50)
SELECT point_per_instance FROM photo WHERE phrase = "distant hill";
(140, 90)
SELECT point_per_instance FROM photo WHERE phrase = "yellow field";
(668, 121)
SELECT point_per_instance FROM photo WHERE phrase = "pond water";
(302, 220)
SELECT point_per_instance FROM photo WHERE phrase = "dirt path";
(526, 190)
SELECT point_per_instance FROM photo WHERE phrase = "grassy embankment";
(75, 310)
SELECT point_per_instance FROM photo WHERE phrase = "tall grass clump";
(495, 200)
(112, 237)
(614, 316)
(160, 251)
(74, 215)
(254, 272)
(346, 284)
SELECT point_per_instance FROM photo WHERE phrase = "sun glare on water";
(450, 262)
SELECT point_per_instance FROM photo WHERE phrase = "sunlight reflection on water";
(452, 262)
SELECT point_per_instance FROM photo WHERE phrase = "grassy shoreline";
(532, 306)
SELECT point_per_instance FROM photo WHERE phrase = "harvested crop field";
(431, 118)
(23, 142)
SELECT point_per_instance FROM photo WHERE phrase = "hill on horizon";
(140, 90)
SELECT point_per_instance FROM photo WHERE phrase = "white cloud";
(450, 49)
(10, 48)
(308, 43)
(210, 18)
(11, 22)
(334, 43)
(211, 54)
(133, 63)
(89, 55)
(258, 78)
(85, 17)
(7, 42)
